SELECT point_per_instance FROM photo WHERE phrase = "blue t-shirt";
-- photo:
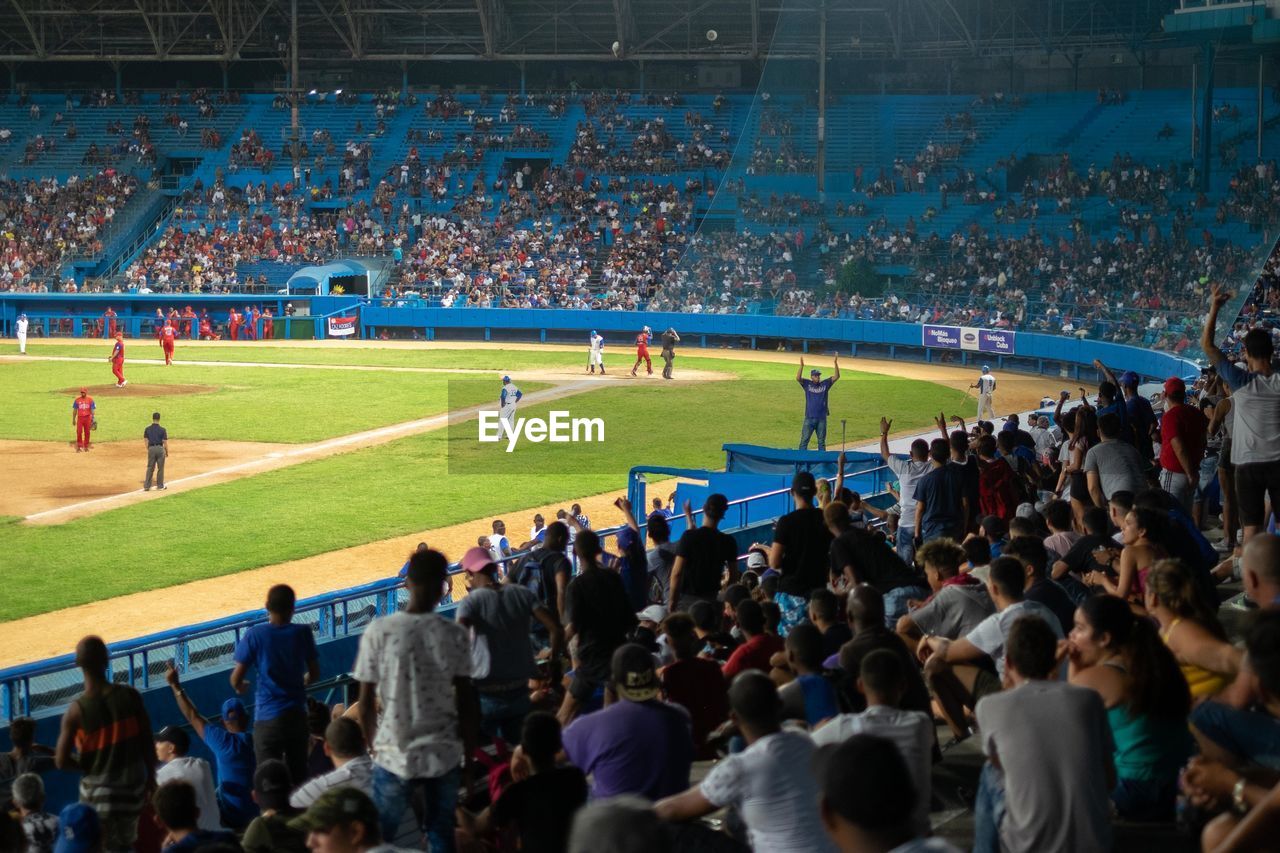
(281, 654)
(819, 698)
(1141, 417)
(233, 757)
(815, 397)
(941, 490)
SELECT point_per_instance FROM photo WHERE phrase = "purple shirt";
(815, 397)
(642, 748)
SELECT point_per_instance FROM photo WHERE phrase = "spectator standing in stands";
(286, 660)
(1048, 746)
(172, 746)
(637, 744)
(1183, 434)
(501, 616)
(416, 666)
(661, 557)
(816, 408)
(695, 683)
(942, 509)
(1142, 418)
(800, 552)
(26, 756)
(1113, 465)
(908, 470)
(770, 783)
(1255, 403)
(40, 827)
(706, 558)
(232, 749)
(110, 726)
(599, 615)
(270, 832)
(547, 571)
(352, 766)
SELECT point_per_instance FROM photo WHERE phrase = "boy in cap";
(343, 820)
(270, 832)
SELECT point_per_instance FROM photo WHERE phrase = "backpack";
(530, 574)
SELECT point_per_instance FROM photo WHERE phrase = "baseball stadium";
(824, 425)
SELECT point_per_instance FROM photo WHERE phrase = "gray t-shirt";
(954, 611)
(660, 560)
(503, 616)
(1119, 465)
(1255, 414)
(1053, 743)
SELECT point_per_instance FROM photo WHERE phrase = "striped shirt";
(356, 773)
(114, 742)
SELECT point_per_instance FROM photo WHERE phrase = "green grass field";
(416, 483)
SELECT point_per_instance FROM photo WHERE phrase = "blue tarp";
(754, 459)
(317, 278)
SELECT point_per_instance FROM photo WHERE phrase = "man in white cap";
(986, 386)
(507, 400)
(20, 329)
(595, 357)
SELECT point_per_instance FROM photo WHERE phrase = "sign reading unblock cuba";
(968, 338)
(342, 326)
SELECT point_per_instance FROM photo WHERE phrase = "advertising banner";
(341, 327)
(996, 341)
(945, 337)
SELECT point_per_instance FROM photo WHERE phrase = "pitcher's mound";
(132, 390)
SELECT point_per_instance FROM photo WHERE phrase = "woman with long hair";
(1190, 629)
(1142, 533)
(1119, 655)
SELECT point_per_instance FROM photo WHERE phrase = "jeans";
(813, 426)
(433, 801)
(895, 603)
(502, 714)
(1178, 485)
(988, 810)
(1251, 735)
(906, 544)
(285, 737)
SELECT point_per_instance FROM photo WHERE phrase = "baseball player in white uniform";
(986, 386)
(595, 357)
(507, 401)
(20, 327)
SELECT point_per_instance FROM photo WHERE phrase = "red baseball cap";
(476, 560)
(84, 390)
(1174, 385)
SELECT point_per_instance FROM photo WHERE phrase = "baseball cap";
(506, 379)
(337, 806)
(476, 559)
(1129, 379)
(652, 613)
(84, 390)
(176, 736)
(1027, 510)
(634, 676)
(593, 331)
(804, 485)
(815, 372)
(756, 561)
(272, 776)
(1174, 385)
(79, 829)
(234, 708)
(626, 538)
(986, 368)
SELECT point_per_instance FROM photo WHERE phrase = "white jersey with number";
(507, 401)
(597, 349)
(986, 383)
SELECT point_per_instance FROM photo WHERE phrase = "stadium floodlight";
(617, 49)
(712, 35)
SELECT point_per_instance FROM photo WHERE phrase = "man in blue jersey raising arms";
(816, 390)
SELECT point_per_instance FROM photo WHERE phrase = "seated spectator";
(39, 827)
(1120, 656)
(172, 746)
(24, 756)
(769, 783)
(536, 812)
(1079, 561)
(1057, 517)
(1143, 531)
(1113, 464)
(1247, 731)
(342, 820)
(694, 683)
(1048, 747)
(1190, 630)
(956, 670)
(823, 613)
(758, 645)
(80, 830)
(717, 643)
(637, 744)
(808, 696)
(977, 558)
(959, 601)
(178, 815)
(1031, 553)
(344, 745)
(618, 825)
(860, 556)
(869, 799)
(270, 830)
(865, 609)
(501, 616)
(232, 748)
(882, 680)
(1260, 570)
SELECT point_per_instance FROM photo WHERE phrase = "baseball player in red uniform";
(268, 325)
(82, 418)
(233, 325)
(642, 351)
(117, 360)
(168, 335)
(110, 316)
(187, 316)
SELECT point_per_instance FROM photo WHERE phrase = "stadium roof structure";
(231, 31)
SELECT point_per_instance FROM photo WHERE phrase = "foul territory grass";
(413, 484)
(229, 403)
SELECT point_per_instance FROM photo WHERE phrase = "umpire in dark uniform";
(157, 439)
(669, 341)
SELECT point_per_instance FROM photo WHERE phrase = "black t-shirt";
(1080, 560)
(705, 551)
(540, 809)
(972, 480)
(806, 547)
(596, 604)
(873, 561)
(864, 643)
(835, 637)
(1054, 597)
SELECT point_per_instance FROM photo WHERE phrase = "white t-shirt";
(196, 773)
(773, 789)
(910, 731)
(908, 471)
(356, 773)
(414, 658)
(991, 632)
